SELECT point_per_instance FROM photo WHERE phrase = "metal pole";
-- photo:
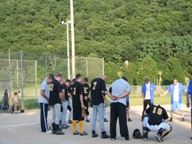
(103, 65)
(22, 92)
(46, 65)
(72, 39)
(36, 77)
(17, 74)
(86, 68)
(68, 58)
(9, 57)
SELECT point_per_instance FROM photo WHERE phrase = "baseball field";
(25, 129)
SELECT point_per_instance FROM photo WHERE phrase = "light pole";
(68, 57)
(72, 39)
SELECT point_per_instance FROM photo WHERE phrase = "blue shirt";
(189, 90)
(181, 90)
(152, 90)
(119, 87)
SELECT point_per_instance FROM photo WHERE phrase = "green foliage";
(173, 70)
(117, 30)
(130, 72)
(111, 70)
(147, 67)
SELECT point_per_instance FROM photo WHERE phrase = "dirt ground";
(25, 129)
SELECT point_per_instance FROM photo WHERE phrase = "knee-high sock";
(81, 126)
(74, 126)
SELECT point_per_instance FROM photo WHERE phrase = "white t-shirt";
(45, 87)
(176, 93)
(147, 94)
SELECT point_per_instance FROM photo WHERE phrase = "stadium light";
(68, 57)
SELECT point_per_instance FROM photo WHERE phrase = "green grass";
(32, 102)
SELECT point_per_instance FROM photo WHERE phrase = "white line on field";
(9, 126)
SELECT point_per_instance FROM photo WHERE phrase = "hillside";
(155, 31)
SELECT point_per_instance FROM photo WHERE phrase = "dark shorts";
(127, 104)
(77, 114)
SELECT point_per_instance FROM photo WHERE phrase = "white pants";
(56, 113)
(64, 112)
(155, 128)
(71, 105)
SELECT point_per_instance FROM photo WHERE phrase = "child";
(16, 101)
(10, 104)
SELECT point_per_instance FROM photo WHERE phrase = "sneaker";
(87, 120)
(104, 135)
(171, 119)
(124, 138)
(183, 119)
(83, 134)
(129, 120)
(48, 131)
(105, 120)
(58, 132)
(94, 134)
(76, 133)
(69, 122)
(113, 139)
(145, 139)
(158, 138)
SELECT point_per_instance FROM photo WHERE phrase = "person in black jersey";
(55, 101)
(86, 90)
(64, 86)
(98, 89)
(156, 120)
(78, 105)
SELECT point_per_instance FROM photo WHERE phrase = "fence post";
(103, 65)
(21, 62)
(36, 77)
(9, 57)
(87, 69)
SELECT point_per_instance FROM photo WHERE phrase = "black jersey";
(55, 89)
(86, 90)
(64, 87)
(98, 89)
(156, 114)
(77, 90)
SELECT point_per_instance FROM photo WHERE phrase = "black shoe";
(53, 128)
(171, 119)
(129, 120)
(69, 122)
(83, 134)
(76, 133)
(183, 119)
(58, 132)
(94, 134)
(105, 120)
(104, 135)
(87, 120)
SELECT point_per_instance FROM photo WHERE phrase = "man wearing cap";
(148, 89)
(55, 100)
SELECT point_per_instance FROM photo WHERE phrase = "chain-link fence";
(25, 71)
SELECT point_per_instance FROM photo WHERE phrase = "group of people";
(63, 95)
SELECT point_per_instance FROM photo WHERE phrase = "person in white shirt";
(43, 100)
(176, 91)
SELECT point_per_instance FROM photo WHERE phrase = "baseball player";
(156, 120)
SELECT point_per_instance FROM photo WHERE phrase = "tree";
(173, 70)
(147, 67)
